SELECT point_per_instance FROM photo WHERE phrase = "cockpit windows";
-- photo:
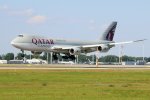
(20, 35)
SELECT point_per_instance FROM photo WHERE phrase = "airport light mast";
(143, 51)
(97, 57)
(120, 54)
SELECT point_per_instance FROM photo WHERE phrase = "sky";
(77, 19)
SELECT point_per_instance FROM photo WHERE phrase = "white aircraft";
(38, 44)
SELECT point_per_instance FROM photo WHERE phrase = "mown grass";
(74, 84)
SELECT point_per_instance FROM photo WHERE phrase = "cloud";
(11, 12)
(4, 7)
(104, 27)
(29, 14)
(26, 12)
(38, 19)
(92, 28)
(92, 25)
(92, 21)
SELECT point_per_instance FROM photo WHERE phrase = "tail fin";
(109, 32)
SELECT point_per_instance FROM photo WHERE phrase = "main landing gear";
(69, 57)
(56, 56)
(22, 54)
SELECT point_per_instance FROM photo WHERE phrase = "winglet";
(139, 40)
(127, 42)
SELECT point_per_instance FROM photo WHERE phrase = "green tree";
(139, 58)
(9, 56)
(147, 59)
(0, 57)
(44, 56)
(109, 58)
(84, 58)
(19, 56)
(128, 58)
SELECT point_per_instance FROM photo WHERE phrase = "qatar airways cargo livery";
(70, 48)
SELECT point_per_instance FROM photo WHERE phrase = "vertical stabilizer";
(109, 32)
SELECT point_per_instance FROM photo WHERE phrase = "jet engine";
(103, 48)
(36, 52)
(75, 51)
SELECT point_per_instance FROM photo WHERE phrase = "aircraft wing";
(91, 48)
(96, 45)
(111, 43)
(127, 42)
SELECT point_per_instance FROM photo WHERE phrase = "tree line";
(81, 58)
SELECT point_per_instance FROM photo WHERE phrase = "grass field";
(74, 84)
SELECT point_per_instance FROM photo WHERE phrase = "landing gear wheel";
(72, 57)
(55, 56)
(22, 55)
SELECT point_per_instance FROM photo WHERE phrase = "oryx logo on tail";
(110, 34)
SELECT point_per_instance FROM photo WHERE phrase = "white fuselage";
(39, 43)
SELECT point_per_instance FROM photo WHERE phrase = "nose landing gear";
(23, 56)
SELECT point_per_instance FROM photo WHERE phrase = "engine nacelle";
(103, 48)
(75, 51)
(36, 52)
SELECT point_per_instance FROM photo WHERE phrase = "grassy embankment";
(74, 85)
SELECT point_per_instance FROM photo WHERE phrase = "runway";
(70, 67)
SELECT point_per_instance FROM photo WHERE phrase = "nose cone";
(13, 43)
(18, 42)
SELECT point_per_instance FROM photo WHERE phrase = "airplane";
(39, 44)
